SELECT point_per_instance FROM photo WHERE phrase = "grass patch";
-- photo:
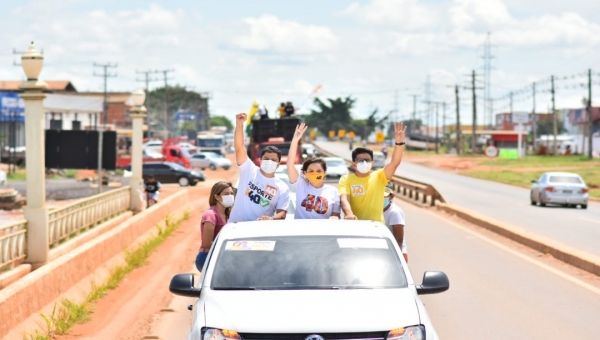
(16, 176)
(68, 313)
(542, 162)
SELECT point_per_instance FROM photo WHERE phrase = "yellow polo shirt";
(366, 194)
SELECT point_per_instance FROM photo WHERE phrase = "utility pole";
(395, 106)
(437, 111)
(474, 134)
(104, 75)
(589, 112)
(554, 118)
(147, 81)
(414, 113)
(533, 116)
(444, 121)
(487, 75)
(166, 78)
(458, 132)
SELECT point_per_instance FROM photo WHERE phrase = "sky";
(382, 52)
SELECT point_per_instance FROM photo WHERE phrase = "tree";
(372, 122)
(333, 115)
(546, 127)
(180, 99)
(221, 121)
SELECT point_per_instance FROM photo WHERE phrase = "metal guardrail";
(419, 191)
(71, 220)
(12, 244)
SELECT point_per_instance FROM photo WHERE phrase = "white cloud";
(404, 14)
(270, 34)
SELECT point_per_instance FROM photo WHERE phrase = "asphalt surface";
(60, 189)
(495, 293)
(575, 228)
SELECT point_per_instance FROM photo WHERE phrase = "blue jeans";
(200, 259)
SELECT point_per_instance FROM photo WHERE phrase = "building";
(504, 121)
(54, 86)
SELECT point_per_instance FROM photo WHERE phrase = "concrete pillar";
(35, 210)
(137, 183)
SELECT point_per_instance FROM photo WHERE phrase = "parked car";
(167, 172)
(336, 167)
(378, 160)
(327, 279)
(563, 188)
(154, 145)
(210, 160)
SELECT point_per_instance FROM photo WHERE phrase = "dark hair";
(150, 177)
(312, 160)
(217, 189)
(359, 151)
(271, 149)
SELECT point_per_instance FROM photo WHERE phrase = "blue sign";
(11, 102)
(187, 115)
(12, 107)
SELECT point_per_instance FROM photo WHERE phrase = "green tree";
(180, 99)
(546, 127)
(221, 121)
(333, 115)
(372, 123)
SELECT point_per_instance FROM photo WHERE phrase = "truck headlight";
(220, 334)
(405, 333)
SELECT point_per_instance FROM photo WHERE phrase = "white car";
(379, 160)
(327, 279)
(3, 179)
(336, 167)
(209, 160)
(563, 188)
(153, 145)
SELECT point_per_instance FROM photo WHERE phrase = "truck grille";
(328, 336)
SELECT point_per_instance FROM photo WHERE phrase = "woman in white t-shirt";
(314, 198)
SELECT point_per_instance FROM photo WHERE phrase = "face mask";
(363, 167)
(386, 202)
(315, 178)
(227, 201)
(268, 166)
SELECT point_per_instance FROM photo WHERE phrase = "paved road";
(60, 189)
(495, 293)
(576, 228)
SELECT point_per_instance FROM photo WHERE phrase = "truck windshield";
(307, 262)
(210, 142)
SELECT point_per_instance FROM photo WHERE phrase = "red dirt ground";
(129, 311)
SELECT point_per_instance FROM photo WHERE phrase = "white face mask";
(363, 167)
(227, 201)
(268, 166)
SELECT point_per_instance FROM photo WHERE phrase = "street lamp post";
(35, 210)
(137, 113)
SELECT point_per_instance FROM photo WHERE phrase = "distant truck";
(275, 132)
(211, 141)
(171, 152)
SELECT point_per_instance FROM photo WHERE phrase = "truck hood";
(299, 311)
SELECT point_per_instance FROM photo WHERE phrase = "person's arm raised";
(291, 168)
(238, 140)
(399, 134)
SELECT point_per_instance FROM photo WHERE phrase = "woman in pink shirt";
(220, 201)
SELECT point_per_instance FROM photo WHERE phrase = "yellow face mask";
(315, 178)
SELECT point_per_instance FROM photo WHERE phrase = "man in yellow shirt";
(361, 193)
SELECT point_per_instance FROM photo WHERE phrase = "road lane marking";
(555, 271)
(589, 219)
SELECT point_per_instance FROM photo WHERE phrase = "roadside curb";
(569, 255)
(35, 290)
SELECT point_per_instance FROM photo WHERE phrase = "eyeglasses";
(359, 160)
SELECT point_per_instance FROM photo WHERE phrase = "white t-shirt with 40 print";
(258, 195)
(315, 203)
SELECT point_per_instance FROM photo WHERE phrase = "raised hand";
(399, 132)
(240, 118)
(300, 129)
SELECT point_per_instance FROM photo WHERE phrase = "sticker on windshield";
(373, 243)
(250, 245)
